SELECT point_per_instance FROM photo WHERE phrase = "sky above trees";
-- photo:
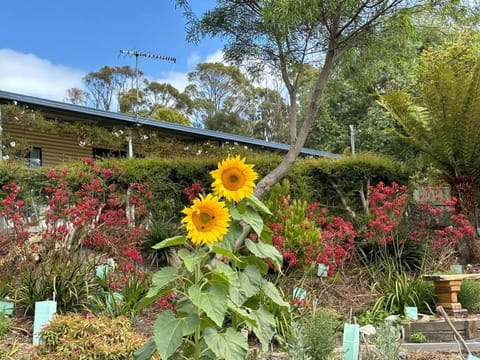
(47, 47)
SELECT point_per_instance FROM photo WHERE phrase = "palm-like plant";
(442, 118)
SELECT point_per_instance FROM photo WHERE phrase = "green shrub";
(319, 333)
(469, 295)
(75, 337)
(370, 317)
(399, 290)
(386, 341)
(5, 324)
(418, 337)
(65, 276)
(126, 300)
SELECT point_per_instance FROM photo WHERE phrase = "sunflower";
(206, 220)
(234, 179)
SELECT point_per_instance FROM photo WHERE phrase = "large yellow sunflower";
(206, 220)
(234, 179)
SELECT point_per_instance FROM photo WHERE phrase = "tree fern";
(442, 117)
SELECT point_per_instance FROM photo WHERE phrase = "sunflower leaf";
(191, 259)
(271, 291)
(161, 278)
(168, 333)
(213, 301)
(253, 218)
(265, 251)
(220, 250)
(259, 204)
(173, 241)
(265, 328)
(228, 345)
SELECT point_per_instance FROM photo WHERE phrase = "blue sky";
(46, 47)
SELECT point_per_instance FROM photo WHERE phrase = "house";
(56, 144)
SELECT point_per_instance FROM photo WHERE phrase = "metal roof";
(108, 118)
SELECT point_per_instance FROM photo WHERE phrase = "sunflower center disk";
(233, 179)
(203, 221)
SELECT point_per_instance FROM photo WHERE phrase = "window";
(34, 157)
(99, 153)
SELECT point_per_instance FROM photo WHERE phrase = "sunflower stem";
(198, 349)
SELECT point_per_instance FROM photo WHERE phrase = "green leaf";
(168, 333)
(219, 250)
(253, 260)
(259, 204)
(243, 314)
(231, 276)
(213, 301)
(266, 326)
(191, 259)
(173, 241)
(265, 251)
(190, 323)
(235, 214)
(253, 218)
(229, 345)
(161, 278)
(251, 281)
(234, 232)
(146, 351)
(273, 294)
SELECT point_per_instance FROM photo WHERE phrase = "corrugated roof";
(109, 117)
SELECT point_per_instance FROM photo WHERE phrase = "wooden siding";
(55, 149)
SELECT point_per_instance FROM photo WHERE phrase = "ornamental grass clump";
(219, 293)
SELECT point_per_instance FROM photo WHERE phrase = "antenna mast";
(147, 55)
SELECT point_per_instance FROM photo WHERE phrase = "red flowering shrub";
(96, 214)
(305, 236)
(11, 209)
(391, 226)
(193, 191)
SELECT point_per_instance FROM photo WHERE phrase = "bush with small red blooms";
(90, 210)
(306, 237)
(167, 302)
(433, 223)
(193, 191)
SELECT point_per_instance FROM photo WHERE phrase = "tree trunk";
(464, 189)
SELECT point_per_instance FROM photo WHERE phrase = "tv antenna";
(147, 55)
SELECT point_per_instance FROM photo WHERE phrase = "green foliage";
(5, 324)
(370, 317)
(329, 181)
(398, 290)
(418, 337)
(170, 115)
(76, 337)
(319, 332)
(297, 347)
(126, 301)
(469, 295)
(387, 342)
(64, 276)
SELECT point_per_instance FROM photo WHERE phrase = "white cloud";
(28, 74)
(193, 60)
(216, 57)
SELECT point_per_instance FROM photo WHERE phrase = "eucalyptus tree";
(108, 83)
(441, 118)
(293, 36)
(215, 88)
(163, 95)
(386, 59)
